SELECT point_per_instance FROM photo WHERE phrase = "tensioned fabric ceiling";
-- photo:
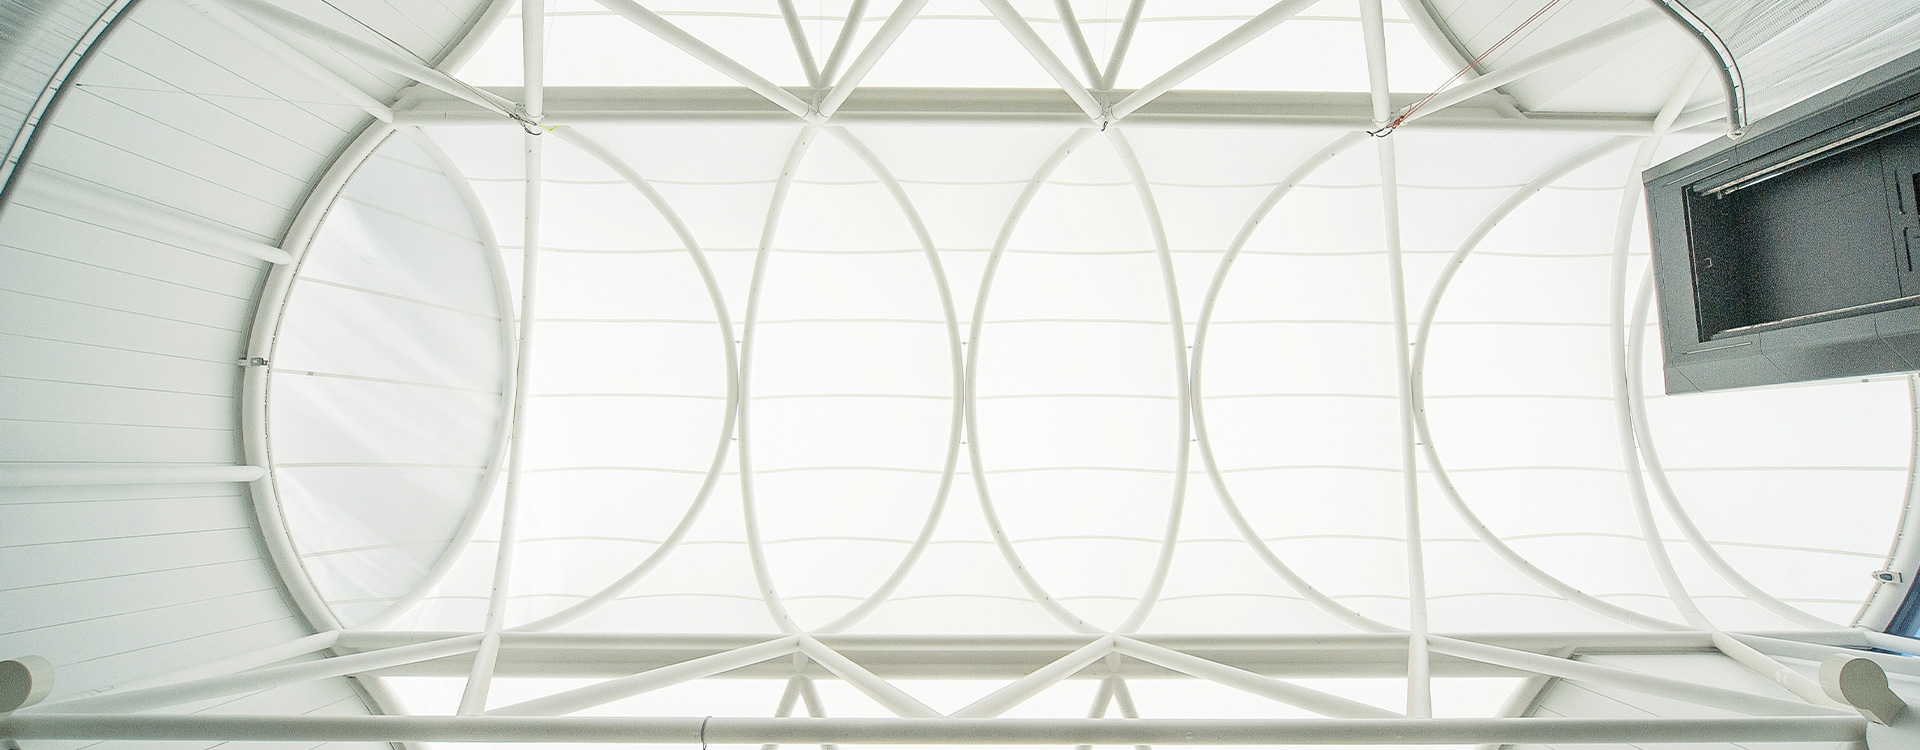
(940, 377)
(963, 352)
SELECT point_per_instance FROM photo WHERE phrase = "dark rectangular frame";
(1868, 339)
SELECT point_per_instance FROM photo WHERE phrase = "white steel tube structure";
(830, 69)
(1706, 695)
(1419, 668)
(881, 691)
(1043, 54)
(108, 203)
(895, 25)
(1026, 687)
(71, 475)
(587, 697)
(1290, 694)
(1121, 42)
(391, 60)
(1617, 358)
(285, 53)
(260, 679)
(331, 649)
(1234, 40)
(740, 731)
(1519, 69)
(705, 53)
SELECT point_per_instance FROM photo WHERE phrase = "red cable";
(1398, 121)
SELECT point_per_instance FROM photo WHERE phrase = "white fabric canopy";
(1089, 300)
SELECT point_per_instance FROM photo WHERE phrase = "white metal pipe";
(862, 64)
(1419, 663)
(1817, 652)
(1885, 600)
(261, 679)
(533, 56)
(299, 61)
(975, 328)
(1205, 443)
(503, 427)
(533, 14)
(1808, 690)
(1639, 682)
(784, 709)
(713, 58)
(269, 314)
(730, 410)
(1663, 487)
(1040, 648)
(1617, 357)
(1519, 69)
(843, 43)
(473, 699)
(82, 475)
(816, 708)
(1891, 642)
(1525, 696)
(740, 731)
(1121, 42)
(1002, 700)
(1234, 40)
(161, 223)
(1123, 699)
(347, 44)
(713, 105)
(1183, 403)
(1373, 37)
(801, 48)
(956, 361)
(879, 690)
(1318, 702)
(1102, 697)
(1077, 37)
(601, 693)
(1698, 117)
(1436, 467)
(1037, 47)
(749, 335)
(238, 662)
(497, 600)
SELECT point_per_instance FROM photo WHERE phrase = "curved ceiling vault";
(987, 341)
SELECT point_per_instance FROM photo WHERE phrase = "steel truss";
(627, 665)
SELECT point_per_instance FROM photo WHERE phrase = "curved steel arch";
(725, 323)
(1420, 339)
(1273, 562)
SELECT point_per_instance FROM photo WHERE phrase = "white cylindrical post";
(1419, 667)
(24, 681)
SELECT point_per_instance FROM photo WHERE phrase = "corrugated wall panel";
(120, 344)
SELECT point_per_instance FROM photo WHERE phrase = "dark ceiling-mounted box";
(1788, 255)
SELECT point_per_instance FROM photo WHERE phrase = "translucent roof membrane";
(850, 391)
(1038, 379)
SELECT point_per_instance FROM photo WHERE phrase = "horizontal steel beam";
(742, 731)
(77, 475)
(596, 105)
(1012, 657)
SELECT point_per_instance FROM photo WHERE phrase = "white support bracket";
(87, 475)
(151, 220)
